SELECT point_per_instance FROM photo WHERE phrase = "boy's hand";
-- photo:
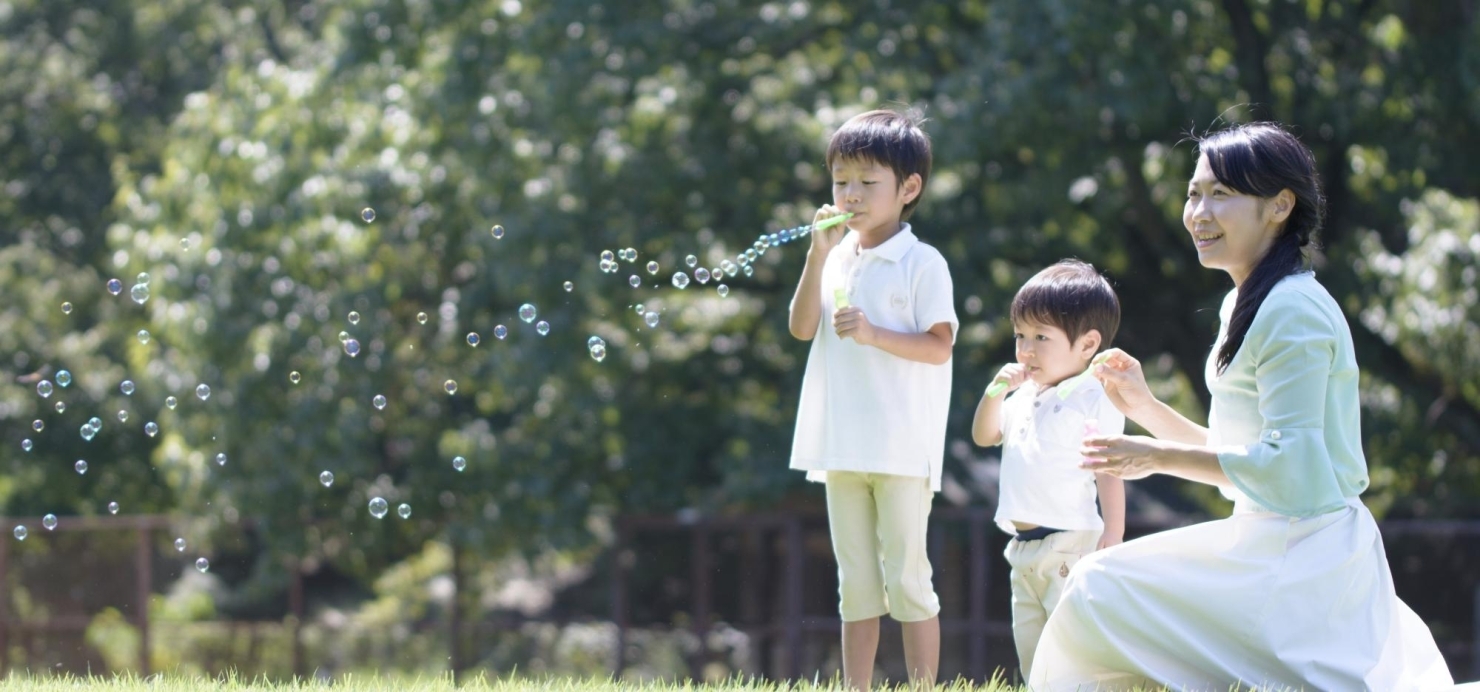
(1014, 374)
(825, 240)
(851, 322)
(1107, 540)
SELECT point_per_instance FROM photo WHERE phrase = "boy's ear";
(1089, 343)
(911, 187)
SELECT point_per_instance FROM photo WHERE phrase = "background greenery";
(256, 132)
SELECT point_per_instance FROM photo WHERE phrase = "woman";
(1294, 589)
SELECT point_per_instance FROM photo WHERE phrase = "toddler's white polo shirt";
(863, 409)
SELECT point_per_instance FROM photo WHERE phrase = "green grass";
(165, 683)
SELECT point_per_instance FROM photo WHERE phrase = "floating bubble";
(367, 214)
(96, 423)
(680, 280)
(459, 463)
(569, 287)
(151, 429)
(751, 254)
(403, 510)
(542, 327)
(295, 377)
(352, 347)
(184, 243)
(171, 402)
(500, 331)
(180, 544)
(608, 266)
(527, 313)
(221, 458)
(343, 336)
(49, 522)
(142, 278)
(202, 564)
(594, 341)
(88, 432)
(729, 268)
(115, 286)
(38, 425)
(122, 416)
(607, 256)
(652, 267)
(634, 280)
(326, 479)
(421, 318)
(723, 290)
(202, 391)
(692, 261)
(749, 270)
(473, 339)
(113, 508)
(127, 387)
(598, 352)
(66, 308)
(631, 254)
(450, 386)
(379, 402)
(44, 388)
(21, 533)
(26, 445)
(143, 336)
(378, 507)
(61, 407)
(651, 318)
(639, 309)
(64, 378)
(80, 467)
(717, 273)
(497, 231)
(354, 317)
(140, 293)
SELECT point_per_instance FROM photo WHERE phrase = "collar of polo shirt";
(892, 249)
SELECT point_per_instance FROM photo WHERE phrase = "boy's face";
(1048, 353)
(869, 191)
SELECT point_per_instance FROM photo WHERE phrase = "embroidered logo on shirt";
(897, 301)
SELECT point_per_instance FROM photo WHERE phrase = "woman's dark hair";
(1263, 159)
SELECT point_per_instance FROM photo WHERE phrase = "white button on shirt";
(863, 409)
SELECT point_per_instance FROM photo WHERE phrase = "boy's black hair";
(892, 139)
(1072, 296)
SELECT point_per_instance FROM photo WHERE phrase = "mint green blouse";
(1286, 419)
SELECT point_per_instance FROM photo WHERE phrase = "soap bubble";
(66, 308)
(569, 287)
(692, 261)
(142, 278)
(143, 336)
(184, 243)
(723, 290)
(634, 280)
(50, 522)
(151, 429)
(88, 432)
(295, 377)
(326, 479)
(122, 416)
(651, 318)
(608, 266)
(473, 339)
(498, 231)
(459, 463)
(171, 402)
(21, 533)
(728, 267)
(607, 256)
(594, 341)
(38, 425)
(113, 508)
(221, 458)
(180, 544)
(680, 280)
(80, 467)
(378, 507)
(450, 386)
(749, 270)
(127, 387)
(404, 510)
(542, 327)
(379, 401)
(527, 313)
(115, 286)
(202, 564)
(26, 445)
(343, 336)
(421, 318)
(639, 309)
(367, 214)
(203, 391)
(140, 293)
(64, 378)
(500, 331)
(61, 407)
(96, 423)
(354, 317)
(352, 347)
(631, 254)
(44, 388)
(652, 267)
(598, 352)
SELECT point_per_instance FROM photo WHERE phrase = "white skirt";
(1258, 598)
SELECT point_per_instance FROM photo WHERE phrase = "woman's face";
(1231, 230)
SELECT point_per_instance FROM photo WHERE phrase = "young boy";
(876, 304)
(1061, 318)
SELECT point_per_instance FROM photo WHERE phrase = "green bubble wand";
(1065, 388)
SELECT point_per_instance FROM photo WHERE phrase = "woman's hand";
(1124, 383)
(825, 240)
(1123, 456)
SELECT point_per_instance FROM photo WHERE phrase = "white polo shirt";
(863, 409)
(1041, 482)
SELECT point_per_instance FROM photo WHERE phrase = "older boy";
(876, 304)
(1061, 318)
